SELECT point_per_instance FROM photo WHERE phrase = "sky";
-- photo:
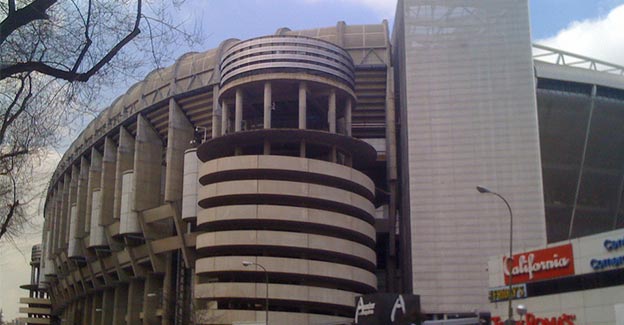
(588, 27)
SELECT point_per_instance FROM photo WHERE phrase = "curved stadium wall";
(241, 153)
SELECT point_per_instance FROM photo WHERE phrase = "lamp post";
(522, 310)
(484, 190)
(266, 276)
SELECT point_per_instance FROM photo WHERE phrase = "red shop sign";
(530, 319)
(540, 264)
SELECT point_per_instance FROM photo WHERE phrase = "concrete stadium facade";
(241, 153)
(305, 154)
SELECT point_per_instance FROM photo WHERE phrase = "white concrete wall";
(470, 112)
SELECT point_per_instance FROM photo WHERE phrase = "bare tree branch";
(21, 17)
(12, 207)
(88, 40)
(71, 75)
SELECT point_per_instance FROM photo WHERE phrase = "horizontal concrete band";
(288, 240)
(306, 216)
(363, 154)
(286, 52)
(214, 291)
(306, 44)
(291, 75)
(287, 189)
(286, 265)
(287, 226)
(228, 316)
(269, 163)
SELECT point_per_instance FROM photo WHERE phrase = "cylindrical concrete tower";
(280, 188)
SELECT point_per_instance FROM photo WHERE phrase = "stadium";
(283, 176)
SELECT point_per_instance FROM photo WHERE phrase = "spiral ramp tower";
(280, 188)
(37, 303)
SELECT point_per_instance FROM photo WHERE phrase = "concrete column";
(168, 292)
(224, 118)
(73, 246)
(303, 106)
(108, 301)
(73, 189)
(216, 112)
(135, 301)
(86, 309)
(96, 309)
(95, 178)
(107, 184)
(348, 117)
(81, 198)
(58, 199)
(125, 161)
(268, 99)
(179, 135)
(65, 207)
(70, 311)
(120, 304)
(152, 296)
(331, 111)
(238, 113)
(147, 166)
(53, 219)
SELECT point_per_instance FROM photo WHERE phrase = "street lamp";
(266, 275)
(522, 310)
(484, 190)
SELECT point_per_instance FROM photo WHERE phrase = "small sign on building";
(387, 308)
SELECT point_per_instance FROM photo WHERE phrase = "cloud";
(600, 38)
(384, 8)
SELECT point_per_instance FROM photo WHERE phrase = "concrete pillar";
(168, 292)
(87, 310)
(73, 245)
(268, 100)
(147, 166)
(95, 178)
(179, 135)
(108, 303)
(97, 235)
(348, 117)
(224, 118)
(216, 112)
(73, 189)
(135, 301)
(152, 296)
(65, 207)
(190, 185)
(331, 111)
(81, 199)
(70, 311)
(120, 305)
(125, 161)
(238, 113)
(54, 218)
(303, 106)
(96, 308)
(107, 184)
(58, 216)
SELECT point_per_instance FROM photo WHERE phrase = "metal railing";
(560, 57)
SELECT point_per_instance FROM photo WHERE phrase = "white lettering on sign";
(363, 309)
(399, 303)
(526, 265)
